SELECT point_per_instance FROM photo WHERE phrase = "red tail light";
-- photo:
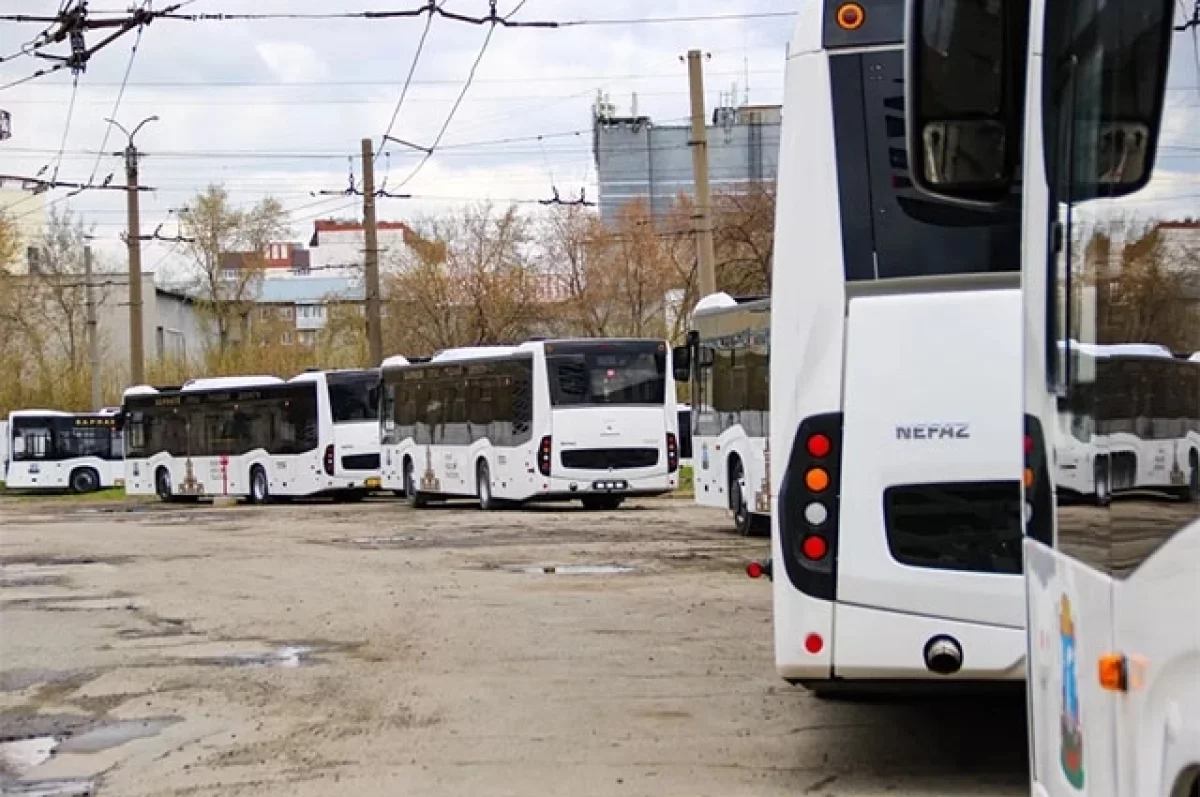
(544, 456)
(329, 460)
(672, 453)
(819, 446)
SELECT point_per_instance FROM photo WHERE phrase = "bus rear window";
(889, 229)
(354, 398)
(614, 376)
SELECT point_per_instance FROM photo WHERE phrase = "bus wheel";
(1192, 491)
(743, 521)
(483, 486)
(162, 484)
(84, 480)
(260, 491)
(1102, 483)
(415, 500)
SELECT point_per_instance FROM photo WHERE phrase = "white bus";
(728, 351)
(592, 420)
(252, 436)
(1087, 110)
(348, 404)
(52, 450)
(894, 387)
(1126, 425)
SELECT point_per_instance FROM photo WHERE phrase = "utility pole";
(699, 144)
(374, 327)
(137, 357)
(93, 338)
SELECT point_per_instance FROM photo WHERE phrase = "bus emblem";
(934, 431)
(1071, 726)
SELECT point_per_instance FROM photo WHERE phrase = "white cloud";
(292, 62)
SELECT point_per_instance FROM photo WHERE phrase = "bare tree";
(228, 251)
(744, 238)
(465, 278)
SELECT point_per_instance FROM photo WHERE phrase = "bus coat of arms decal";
(1071, 725)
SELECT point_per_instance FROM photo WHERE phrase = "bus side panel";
(1158, 723)
(1072, 718)
(808, 277)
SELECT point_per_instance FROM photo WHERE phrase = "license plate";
(373, 484)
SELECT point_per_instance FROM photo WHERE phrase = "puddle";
(288, 656)
(116, 733)
(21, 755)
(21, 679)
(571, 570)
(373, 542)
(81, 787)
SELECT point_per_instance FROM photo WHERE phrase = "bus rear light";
(808, 502)
(544, 456)
(328, 460)
(817, 480)
(1028, 478)
(814, 548)
(1028, 444)
(819, 446)
(813, 643)
(672, 453)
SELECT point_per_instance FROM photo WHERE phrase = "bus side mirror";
(708, 355)
(681, 363)
(965, 105)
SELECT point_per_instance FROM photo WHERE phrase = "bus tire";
(84, 480)
(483, 486)
(743, 521)
(415, 499)
(260, 488)
(1102, 482)
(1192, 491)
(162, 484)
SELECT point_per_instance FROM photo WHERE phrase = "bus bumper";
(876, 643)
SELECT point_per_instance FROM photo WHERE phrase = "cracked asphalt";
(371, 649)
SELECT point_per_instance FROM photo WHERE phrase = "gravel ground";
(370, 649)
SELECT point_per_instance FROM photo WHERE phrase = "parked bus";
(592, 420)
(52, 450)
(254, 436)
(1094, 139)
(728, 352)
(1128, 426)
(894, 387)
(348, 403)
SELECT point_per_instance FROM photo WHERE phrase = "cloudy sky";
(276, 107)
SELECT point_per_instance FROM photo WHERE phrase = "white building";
(338, 248)
(27, 211)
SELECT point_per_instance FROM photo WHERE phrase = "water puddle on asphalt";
(67, 787)
(21, 755)
(571, 570)
(116, 733)
(288, 656)
(378, 542)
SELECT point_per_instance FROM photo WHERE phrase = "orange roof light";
(850, 16)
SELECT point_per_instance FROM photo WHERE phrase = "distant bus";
(349, 401)
(52, 450)
(729, 355)
(256, 436)
(592, 420)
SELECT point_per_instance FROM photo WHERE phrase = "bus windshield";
(354, 397)
(61, 438)
(607, 374)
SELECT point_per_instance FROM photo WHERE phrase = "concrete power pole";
(374, 325)
(93, 337)
(137, 355)
(699, 143)
(137, 341)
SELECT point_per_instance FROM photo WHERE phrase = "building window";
(286, 339)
